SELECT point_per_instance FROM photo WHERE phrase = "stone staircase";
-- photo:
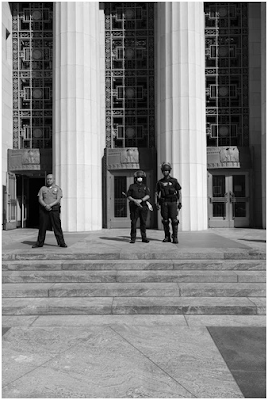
(88, 284)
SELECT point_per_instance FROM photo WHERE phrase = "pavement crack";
(253, 302)
(148, 358)
(34, 321)
(112, 306)
(186, 320)
(35, 367)
(178, 285)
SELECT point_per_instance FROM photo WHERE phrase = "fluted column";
(181, 135)
(78, 129)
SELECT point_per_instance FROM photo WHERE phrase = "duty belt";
(168, 199)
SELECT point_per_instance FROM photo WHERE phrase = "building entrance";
(20, 201)
(118, 206)
(228, 200)
(34, 185)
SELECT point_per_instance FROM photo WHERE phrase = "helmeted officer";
(137, 194)
(49, 198)
(168, 199)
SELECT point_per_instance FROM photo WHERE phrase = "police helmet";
(166, 166)
(140, 174)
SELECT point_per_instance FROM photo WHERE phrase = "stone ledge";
(60, 290)
(139, 265)
(133, 305)
(223, 254)
(185, 321)
(169, 276)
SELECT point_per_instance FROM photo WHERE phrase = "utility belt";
(56, 207)
(169, 199)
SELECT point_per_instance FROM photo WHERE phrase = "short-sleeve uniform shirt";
(138, 191)
(50, 194)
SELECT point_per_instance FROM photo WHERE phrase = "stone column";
(77, 114)
(181, 132)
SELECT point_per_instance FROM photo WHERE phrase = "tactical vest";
(168, 190)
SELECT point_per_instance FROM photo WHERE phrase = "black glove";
(179, 206)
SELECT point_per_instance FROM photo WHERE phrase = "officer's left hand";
(48, 208)
(179, 206)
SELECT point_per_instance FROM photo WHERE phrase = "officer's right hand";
(138, 202)
(157, 207)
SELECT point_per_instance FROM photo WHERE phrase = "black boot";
(175, 232)
(166, 230)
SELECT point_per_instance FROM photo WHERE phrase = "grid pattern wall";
(226, 49)
(129, 57)
(32, 30)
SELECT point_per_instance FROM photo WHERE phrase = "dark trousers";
(169, 210)
(135, 213)
(45, 219)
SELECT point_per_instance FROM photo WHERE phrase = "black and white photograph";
(133, 199)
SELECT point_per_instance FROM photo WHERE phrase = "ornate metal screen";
(32, 26)
(129, 53)
(226, 38)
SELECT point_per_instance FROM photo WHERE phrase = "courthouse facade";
(94, 91)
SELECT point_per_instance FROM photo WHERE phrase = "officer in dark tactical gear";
(138, 193)
(168, 199)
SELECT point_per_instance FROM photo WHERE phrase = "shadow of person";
(117, 239)
(125, 239)
(254, 240)
(30, 243)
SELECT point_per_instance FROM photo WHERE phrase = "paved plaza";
(186, 355)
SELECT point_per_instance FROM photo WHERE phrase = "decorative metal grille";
(226, 47)
(32, 26)
(129, 53)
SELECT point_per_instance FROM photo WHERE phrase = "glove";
(179, 206)
(157, 207)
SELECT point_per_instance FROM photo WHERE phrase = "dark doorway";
(33, 210)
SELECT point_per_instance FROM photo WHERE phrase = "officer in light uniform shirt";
(49, 198)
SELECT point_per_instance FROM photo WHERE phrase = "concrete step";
(132, 276)
(174, 253)
(97, 265)
(133, 290)
(134, 305)
(170, 283)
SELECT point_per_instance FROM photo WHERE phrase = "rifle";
(149, 205)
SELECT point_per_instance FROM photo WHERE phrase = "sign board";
(29, 159)
(130, 158)
(228, 157)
